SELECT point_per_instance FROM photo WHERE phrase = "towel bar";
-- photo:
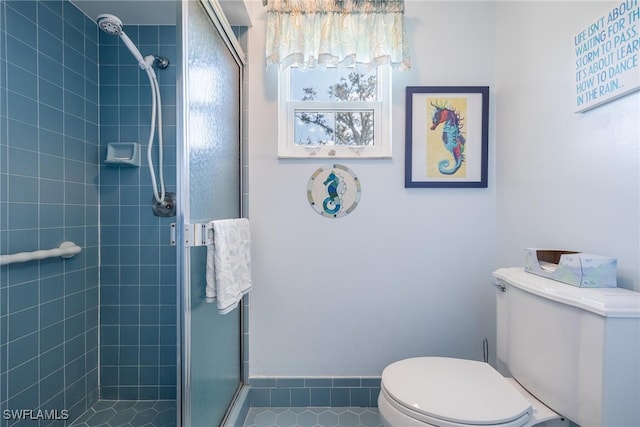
(194, 234)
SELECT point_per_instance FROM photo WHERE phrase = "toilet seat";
(453, 392)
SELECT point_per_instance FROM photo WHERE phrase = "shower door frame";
(218, 20)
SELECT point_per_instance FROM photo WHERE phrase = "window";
(334, 112)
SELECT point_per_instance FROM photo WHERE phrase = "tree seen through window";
(340, 126)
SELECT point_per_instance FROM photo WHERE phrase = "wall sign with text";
(607, 56)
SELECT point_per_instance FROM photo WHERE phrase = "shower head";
(110, 24)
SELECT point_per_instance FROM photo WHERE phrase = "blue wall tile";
(23, 215)
(280, 397)
(167, 355)
(148, 376)
(149, 355)
(51, 329)
(27, 9)
(22, 82)
(50, 362)
(22, 323)
(51, 46)
(133, 272)
(108, 355)
(148, 393)
(23, 296)
(51, 118)
(72, 16)
(28, 397)
(52, 312)
(50, 93)
(49, 21)
(19, 53)
(23, 377)
(320, 396)
(22, 189)
(300, 397)
(73, 54)
(324, 391)
(22, 108)
(51, 336)
(128, 356)
(22, 27)
(50, 121)
(25, 348)
(73, 81)
(340, 397)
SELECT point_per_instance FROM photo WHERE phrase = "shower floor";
(125, 413)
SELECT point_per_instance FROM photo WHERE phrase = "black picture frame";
(432, 143)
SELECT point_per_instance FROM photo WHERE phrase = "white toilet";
(571, 354)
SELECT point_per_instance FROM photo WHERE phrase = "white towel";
(228, 263)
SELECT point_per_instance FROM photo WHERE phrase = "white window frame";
(381, 108)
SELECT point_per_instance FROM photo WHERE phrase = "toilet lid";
(455, 390)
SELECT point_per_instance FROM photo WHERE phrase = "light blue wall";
(408, 272)
(49, 194)
(138, 266)
(568, 181)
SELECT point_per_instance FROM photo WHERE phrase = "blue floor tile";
(111, 413)
(313, 417)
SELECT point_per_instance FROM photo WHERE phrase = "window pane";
(314, 128)
(332, 84)
(354, 128)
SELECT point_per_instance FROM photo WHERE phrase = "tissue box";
(574, 268)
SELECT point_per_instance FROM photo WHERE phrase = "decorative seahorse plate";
(333, 191)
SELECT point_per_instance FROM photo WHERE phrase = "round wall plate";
(333, 191)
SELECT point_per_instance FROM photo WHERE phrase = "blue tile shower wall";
(49, 176)
(138, 266)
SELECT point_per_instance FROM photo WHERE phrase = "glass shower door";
(211, 189)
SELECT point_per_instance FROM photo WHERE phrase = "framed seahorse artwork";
(446, 136)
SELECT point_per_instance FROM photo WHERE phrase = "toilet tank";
(576, 349)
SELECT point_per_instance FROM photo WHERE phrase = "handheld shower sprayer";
(164, 203)
(112, 25)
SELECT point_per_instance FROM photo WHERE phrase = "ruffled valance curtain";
(337, 33)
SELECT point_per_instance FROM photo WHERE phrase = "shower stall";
(121, 329)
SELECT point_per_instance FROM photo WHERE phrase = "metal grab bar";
(65, 250)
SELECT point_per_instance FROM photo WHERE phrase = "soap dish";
(125, 154)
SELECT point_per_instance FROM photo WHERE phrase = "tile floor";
(129, 413)
(313, 417)
(126, 413)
